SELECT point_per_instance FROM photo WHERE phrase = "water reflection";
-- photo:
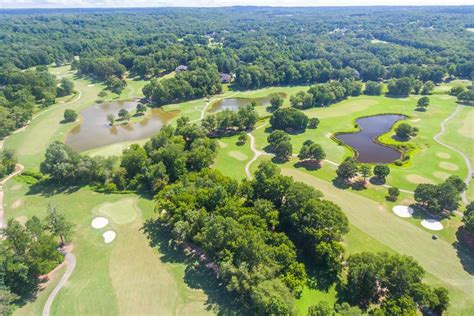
(94, 130)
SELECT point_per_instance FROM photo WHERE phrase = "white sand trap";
(432, 224)
(99, 222)
(403, 211)
(109, 236)
(91, 85)
(415, 120)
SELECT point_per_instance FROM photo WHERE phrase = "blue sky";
(214, 3)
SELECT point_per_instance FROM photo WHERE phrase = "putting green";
(448, 166)
(238, 155)
(443, 155)
(122, 212)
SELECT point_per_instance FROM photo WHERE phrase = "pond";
(94, 130)
(234, 104)
(363, 141)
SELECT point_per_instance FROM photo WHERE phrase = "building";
(181, 68)
(226, 78)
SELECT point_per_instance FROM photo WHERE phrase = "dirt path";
(71, 265)
(19, 169)
(463, 155)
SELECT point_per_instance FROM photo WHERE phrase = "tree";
(381, 172)
(321, 309)
(428, 88)
(283, 150)
(456, 90)
(289, 119)
(276, 101)
(313, 122)
(242, 139)
(466, 96)
(366, 171)
(111, 119)
(124, 115)
(468, 219)
(57, 224)
(141, 108)
(393, 193)
(134, 159)
(373, 88)
(102, 94)
(61, 163)
(115, 84)
(347, 169)
(277, 137)
(8, 161)
(70, 115)
(457, 182)
(66, 87)
(311, 151)
(423, 102)
(404, 131)
(400, 87)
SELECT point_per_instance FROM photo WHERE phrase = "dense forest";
(259, 46)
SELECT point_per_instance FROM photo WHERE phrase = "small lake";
(363, 141)
(94, 130)
(234, 104)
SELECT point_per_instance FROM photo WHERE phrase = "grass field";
(428, 164)
(124, 277)
(129, 277)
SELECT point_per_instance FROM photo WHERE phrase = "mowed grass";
(460, 135)
(124, 277)
(439, 258)
(232, 158)
(425, 164)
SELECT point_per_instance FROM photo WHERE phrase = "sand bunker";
(238, 155)
(403, 211)
(99, 222)
(414, 178)
(441, 175)
(432, 224)
(443, 155)
(91, 85)
(448, 166)
(16, 187)
(109, 236)
(222, 144)
(17, 203)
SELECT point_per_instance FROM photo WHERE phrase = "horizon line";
(242, 6)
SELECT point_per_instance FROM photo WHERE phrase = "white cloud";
(214, 3)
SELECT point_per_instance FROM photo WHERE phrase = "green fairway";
(439, 258)
(426, 163)
(232, 158)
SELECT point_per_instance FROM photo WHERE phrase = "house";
(181, 68)
(225, 78)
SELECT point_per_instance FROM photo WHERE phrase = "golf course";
(106, 281)
(236, 160)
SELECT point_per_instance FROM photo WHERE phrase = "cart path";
(463, 155)
(70, 260)
(19, 168)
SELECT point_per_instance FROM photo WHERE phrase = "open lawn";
(439, 258)
(232, 158)
(428, 161)
(106, 280)
(129, 277)
(126, 276)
